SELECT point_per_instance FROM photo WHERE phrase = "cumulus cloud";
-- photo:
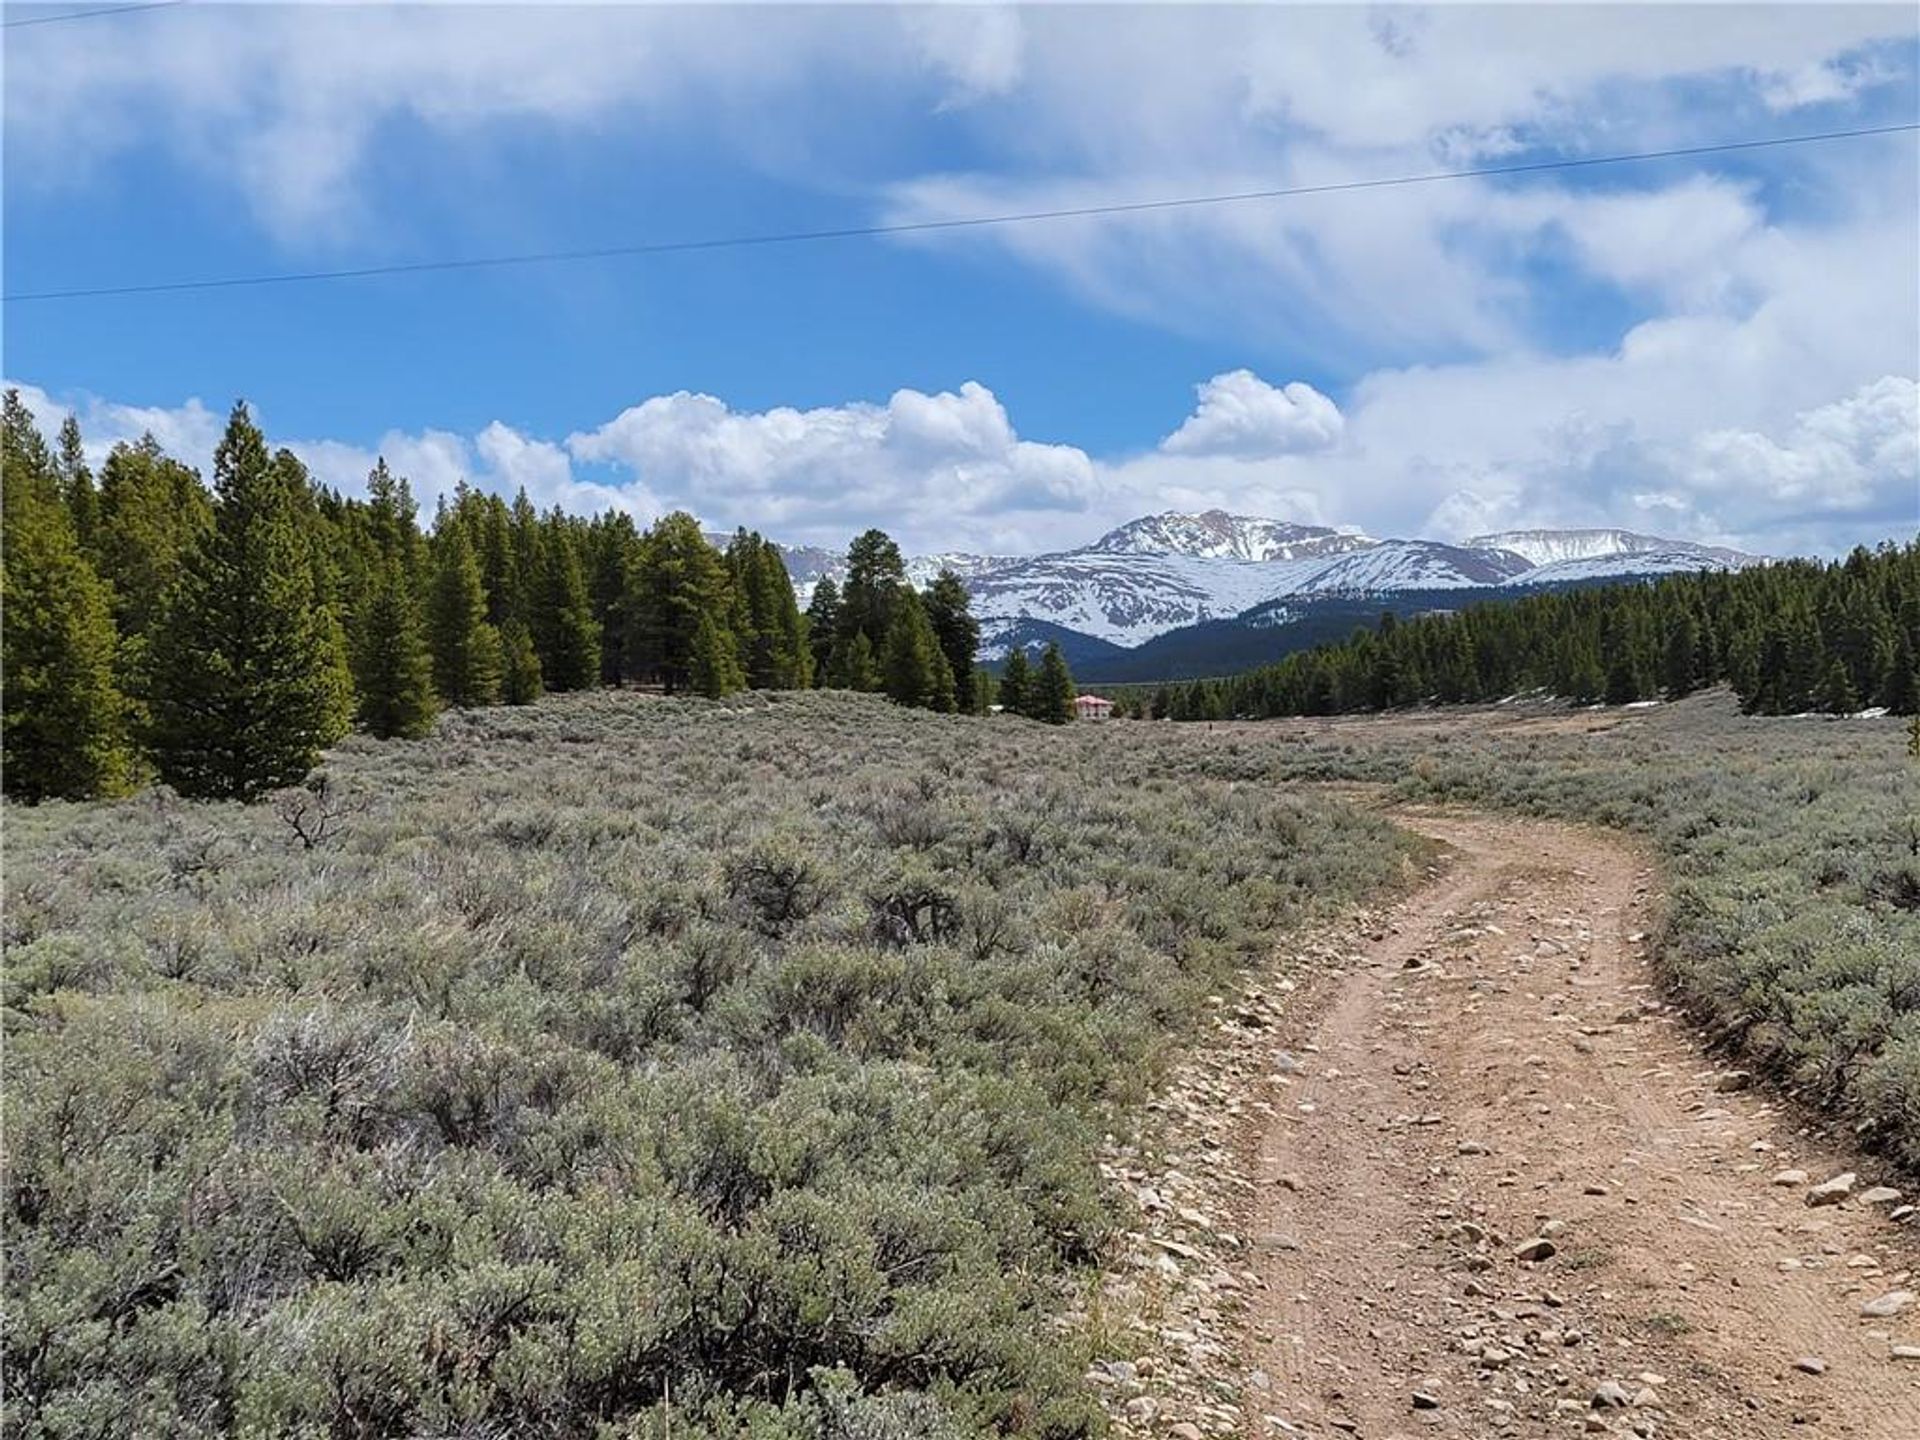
(1443, 452)
(188, 432)
(946, 464)
(1860, 453)
(1241, 414)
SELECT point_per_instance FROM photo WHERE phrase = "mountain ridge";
(1171, 571)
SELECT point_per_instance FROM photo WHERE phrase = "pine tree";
(1837, 695)
(913, 665)
(523, 537)
(564, 632)
(767, 618)
(716, 668)
(76, 484)
(1051, 697)
(1683, 643)
(1622, 686)
(245, 668)
(944, 697)
(614, 551)
(466, 649)
(393, 669)
(876, 574)
(1015, 679)
(1900, 691)
(679, 580)
(152, 510)
(823, 622)
(520, 679)
(62, 717)
(950, 613)
(853, 665)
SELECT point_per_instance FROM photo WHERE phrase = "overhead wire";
(66, 15)
(913, 227)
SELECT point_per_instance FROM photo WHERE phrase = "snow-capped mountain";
(1392, 565)
(1216, 535)
(1552, 547)
(1162, 573)
(1680, 559)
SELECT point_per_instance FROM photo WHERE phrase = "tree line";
(1789, 638)
(219, 639)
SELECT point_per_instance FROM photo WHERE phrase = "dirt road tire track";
(1500, 1064)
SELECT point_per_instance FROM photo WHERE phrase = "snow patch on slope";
(1552, 547)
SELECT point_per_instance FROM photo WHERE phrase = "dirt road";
(1498, 1073)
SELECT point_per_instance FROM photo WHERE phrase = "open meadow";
(616, 1066)
(623, 1066)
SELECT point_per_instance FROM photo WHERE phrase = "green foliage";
(75, 480)
(772, 634)
(853, 665)
(152, 512)
(246, 672)
(876, 574)
(520, 682)
(568, 1082)
(1050, 696)
(565, 634)
(715, 670)
(393, 669)
(950, 613)
(1016, 681)
(612, 556)
(1790, 637)
(466, 648)
(681, 580)
(293, 612)
(823, 623)
(914, 671)
(63, 722)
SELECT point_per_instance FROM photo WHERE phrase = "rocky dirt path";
(1479, 1181)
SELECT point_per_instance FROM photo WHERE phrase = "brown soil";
(1498, 1063)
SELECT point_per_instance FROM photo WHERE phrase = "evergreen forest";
(219, 640)
(1789, 638)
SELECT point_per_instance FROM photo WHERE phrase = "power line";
(912, 227)
(89, 14)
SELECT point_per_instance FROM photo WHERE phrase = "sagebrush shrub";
(613, 1066)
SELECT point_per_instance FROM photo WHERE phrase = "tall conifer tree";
(564, 631)
(394, 670)
(466, 649)
(520, 682)
(823, 624)
(679, 579)
(1016, 679)
(245, 669)
(950, 613)
(1051, 696)
(62, 716)
(715, 668)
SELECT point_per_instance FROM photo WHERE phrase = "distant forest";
(220, 640)
(1790, 637)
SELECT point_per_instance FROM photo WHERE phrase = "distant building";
(1092, 707)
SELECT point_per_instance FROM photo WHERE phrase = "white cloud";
(1861, 453)
(1241, 414)
(942, 471)
(188, 432)
(1426, 451)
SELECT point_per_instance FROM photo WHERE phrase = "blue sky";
(1722, 348)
